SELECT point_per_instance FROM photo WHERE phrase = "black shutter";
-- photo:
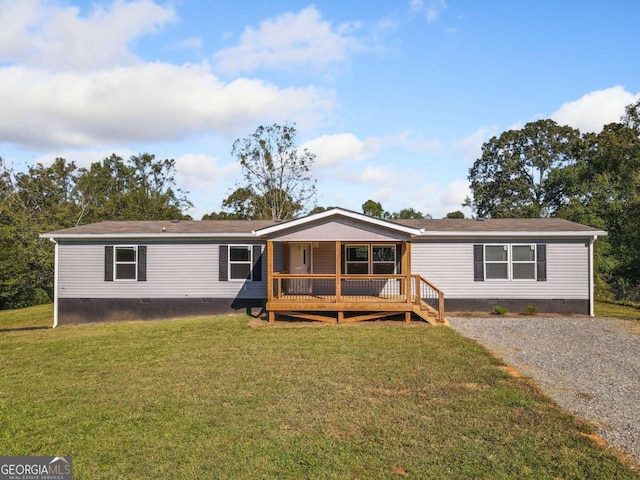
(223, 263)
(108, 263)
(399, 259)
(542, 262)
(343, 256)
(257, 263)
(478, 263)
(142, 263)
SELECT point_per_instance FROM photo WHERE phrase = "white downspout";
(55, 284)
(592, 310)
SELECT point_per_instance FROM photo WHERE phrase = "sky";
(394, 97)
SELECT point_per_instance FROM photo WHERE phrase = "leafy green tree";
(602, 189)
(140, 188)
(373, 209)
(408, 213)
(276, 172)
(456, 214)
(510, 179)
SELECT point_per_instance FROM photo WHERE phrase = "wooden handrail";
(419, 279)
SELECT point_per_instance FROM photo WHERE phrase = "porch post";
(338, 270)
(270, 278)
(406, 265)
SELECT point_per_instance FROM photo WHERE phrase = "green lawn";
(38, 316)
(218, 398)
(613, 310)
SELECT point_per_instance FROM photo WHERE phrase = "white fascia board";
(341, 213)
(572, 234)
(154, 236)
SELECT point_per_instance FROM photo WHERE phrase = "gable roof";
(518, 227)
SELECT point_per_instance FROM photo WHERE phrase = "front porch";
(339, 296)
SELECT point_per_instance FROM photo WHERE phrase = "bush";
(499, 310)
(530, 310)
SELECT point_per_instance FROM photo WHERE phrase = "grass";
(217, 398)
(37, 316)
(614, 310)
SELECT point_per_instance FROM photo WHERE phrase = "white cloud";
(42, 109)
(454, 194)
(594, 110)
(470, 148)
(200, 170)
(339, 148)
(431, 8)
(43, 34)
(292, 39)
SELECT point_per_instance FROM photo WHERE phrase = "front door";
(300, 264)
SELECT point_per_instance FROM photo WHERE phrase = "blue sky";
(395, 97)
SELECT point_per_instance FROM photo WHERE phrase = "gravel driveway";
(591, 366)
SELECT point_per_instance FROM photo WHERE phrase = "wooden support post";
(340, 316)
(407, 317)
(269, 270)
(406, 265)
(272, 316)
(338, 271)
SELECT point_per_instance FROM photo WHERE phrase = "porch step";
(429, 314)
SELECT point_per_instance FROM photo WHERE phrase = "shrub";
(530, 310)
(499, 310)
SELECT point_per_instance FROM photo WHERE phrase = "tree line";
(550, 170)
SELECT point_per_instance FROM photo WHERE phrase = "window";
(357, 259)
(510, 262)
(370, 259)
(125, 263)
(523, 262)
(496, 262)
(239, 262)
(384, 259)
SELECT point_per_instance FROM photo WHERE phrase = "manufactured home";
(336, 266)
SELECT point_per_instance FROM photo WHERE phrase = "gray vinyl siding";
(174, 269)
(324, 258)
(340, 230)
(449, 266)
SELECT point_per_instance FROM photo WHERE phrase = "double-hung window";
(240, 262)
(523, 262)
(125, 263)
(510, 262)
(357, 259)
(496, 262)
(370, 259)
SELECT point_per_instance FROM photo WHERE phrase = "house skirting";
(89, 310)
(563, 306)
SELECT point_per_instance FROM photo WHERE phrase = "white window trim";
(116, 263)
(370, 261)
(230, 262)
(534, 262)
(510, 262)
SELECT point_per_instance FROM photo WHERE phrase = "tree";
(276, 172)
(140, 188)
(510, 179)
(602, 189)
(373, 209)
(408, 213)
(456, 214)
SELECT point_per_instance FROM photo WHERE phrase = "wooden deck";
(294, 297)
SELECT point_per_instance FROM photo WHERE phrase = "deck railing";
(325, 288)
(428, 293)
